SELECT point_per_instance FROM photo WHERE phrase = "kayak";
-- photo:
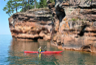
(44, 52)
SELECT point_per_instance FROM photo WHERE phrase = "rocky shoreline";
(68, 27)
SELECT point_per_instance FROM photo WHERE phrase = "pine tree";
(9, 8)
(14, 6)
(43, 3)
(34, 4)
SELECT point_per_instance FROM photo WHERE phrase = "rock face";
(32, 25)
(77, 29)
(68, 24)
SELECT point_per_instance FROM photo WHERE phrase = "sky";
(4, 23)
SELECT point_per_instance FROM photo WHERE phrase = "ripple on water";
(11, 53)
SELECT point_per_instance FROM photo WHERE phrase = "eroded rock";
(32, 24)
(77, 27)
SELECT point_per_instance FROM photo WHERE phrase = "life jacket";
(39, 50)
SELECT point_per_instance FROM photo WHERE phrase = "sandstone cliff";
(77, 29)
(31, 25)
(68, 25)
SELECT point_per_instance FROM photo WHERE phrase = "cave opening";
(60, 12)
(82, 30)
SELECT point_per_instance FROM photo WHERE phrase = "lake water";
(12, 53)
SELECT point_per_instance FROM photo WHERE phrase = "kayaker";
(39, 49)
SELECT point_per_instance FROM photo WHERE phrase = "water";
(12, 53)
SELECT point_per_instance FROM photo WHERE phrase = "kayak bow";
(44, 52)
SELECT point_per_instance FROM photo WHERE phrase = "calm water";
(11, 53)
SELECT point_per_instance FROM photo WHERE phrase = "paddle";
(45, 48)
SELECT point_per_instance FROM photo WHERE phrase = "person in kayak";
(39, 49)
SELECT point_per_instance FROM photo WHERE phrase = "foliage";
(43, 3)
(11, 6)
(52, 1)
(14, 6)
(73, 19)
(8, 8)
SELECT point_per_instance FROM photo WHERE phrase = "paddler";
(39, 49)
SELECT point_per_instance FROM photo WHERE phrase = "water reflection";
(20, 46)
(17, 56)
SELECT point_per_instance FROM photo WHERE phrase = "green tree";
(28, 4)
(12, 6)
(43, 3)
(17, 4)
(9, 8)
(52, 1)
(34, 4)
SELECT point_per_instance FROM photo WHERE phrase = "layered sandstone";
(32, 25)
(77, 30)
(68, 25)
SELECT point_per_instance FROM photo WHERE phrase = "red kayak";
(44, 52)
